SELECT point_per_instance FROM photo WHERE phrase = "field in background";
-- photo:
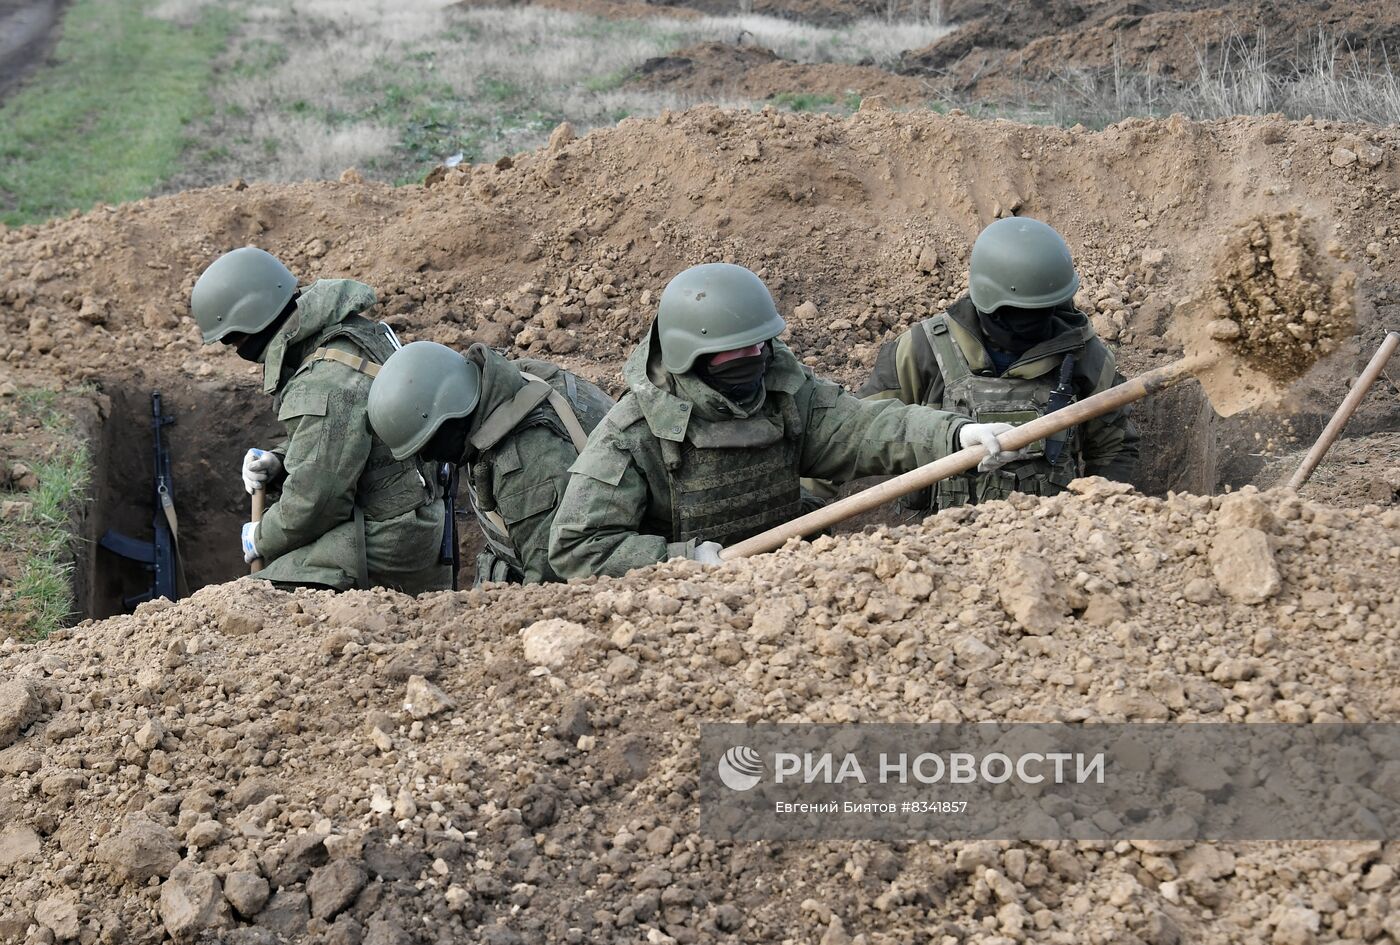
(157, 96)
(311, 87)
(1243, 78)
(106, 122)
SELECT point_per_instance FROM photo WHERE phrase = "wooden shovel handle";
(963, 460)
(259, 503)
(1349, 404)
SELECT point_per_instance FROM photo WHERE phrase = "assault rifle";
(161, 555)
(450, 552)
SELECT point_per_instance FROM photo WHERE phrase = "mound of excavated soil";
(1002, 49)
(563, 251)
(861, 226)
(728, 71)
(1359, 470)
(375, 768)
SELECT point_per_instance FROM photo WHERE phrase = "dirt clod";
(1274, 286)
(1243, 564)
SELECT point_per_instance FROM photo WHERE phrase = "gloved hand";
(260, 467)
(985, 434)
(250, 550)
(707, 552)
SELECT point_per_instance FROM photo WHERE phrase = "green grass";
(106, 122)
(41, 600)
(608, 82)
(816, 101)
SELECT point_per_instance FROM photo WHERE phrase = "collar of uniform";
(1072, 332)
(500, 379)
(666, 414)
(321, 306)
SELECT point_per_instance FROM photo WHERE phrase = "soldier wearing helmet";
(349, 514)
(514, 427)
(1010, 350)
(719, 423)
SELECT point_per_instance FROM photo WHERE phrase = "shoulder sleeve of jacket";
(608, 461)
(847, 437)
(905, 370)
(527, 492)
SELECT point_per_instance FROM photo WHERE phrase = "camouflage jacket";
(907, 370)
(627, 491)
(348, 515)
(519, 454)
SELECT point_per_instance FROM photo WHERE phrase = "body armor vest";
(988, 399)
(534, 406)
(388, 487)
(732, 479)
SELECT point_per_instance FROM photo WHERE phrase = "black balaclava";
(739, 379)
(1016, 330)
(252, 347)
(448, 444)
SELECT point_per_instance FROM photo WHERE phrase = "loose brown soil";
(166, 772)
(1003, 49)
(243, 761)
(723, 71)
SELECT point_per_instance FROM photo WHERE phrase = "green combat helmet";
(1022, 262)
(241, 291)
(418, 388)
(712, 308)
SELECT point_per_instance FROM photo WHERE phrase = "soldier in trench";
(349, 514)
(719, 423)
(514, 428)
(1010, 350)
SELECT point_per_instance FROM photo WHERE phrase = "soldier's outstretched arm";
(328, 444)
(598, 527)
(848, 437)
(906, 371)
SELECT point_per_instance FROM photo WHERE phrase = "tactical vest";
(988, 399)
(731, 479)
(553, 399)
(387, 488)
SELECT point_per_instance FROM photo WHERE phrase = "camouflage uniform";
(349, 515)
(520, 450)
(912, 369)
(676, 463)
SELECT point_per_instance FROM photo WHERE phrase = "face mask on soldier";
(739, 378)
(1012, 329)
(448, 444)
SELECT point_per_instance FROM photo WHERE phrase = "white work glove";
(985, 434)
(250, 550)
(259, 468)
(707, 552)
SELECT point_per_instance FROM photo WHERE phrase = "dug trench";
(1185, 447)
(214, 425)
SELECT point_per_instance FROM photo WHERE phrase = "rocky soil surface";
(1002, 50)
(519, 765)
(724, 71)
